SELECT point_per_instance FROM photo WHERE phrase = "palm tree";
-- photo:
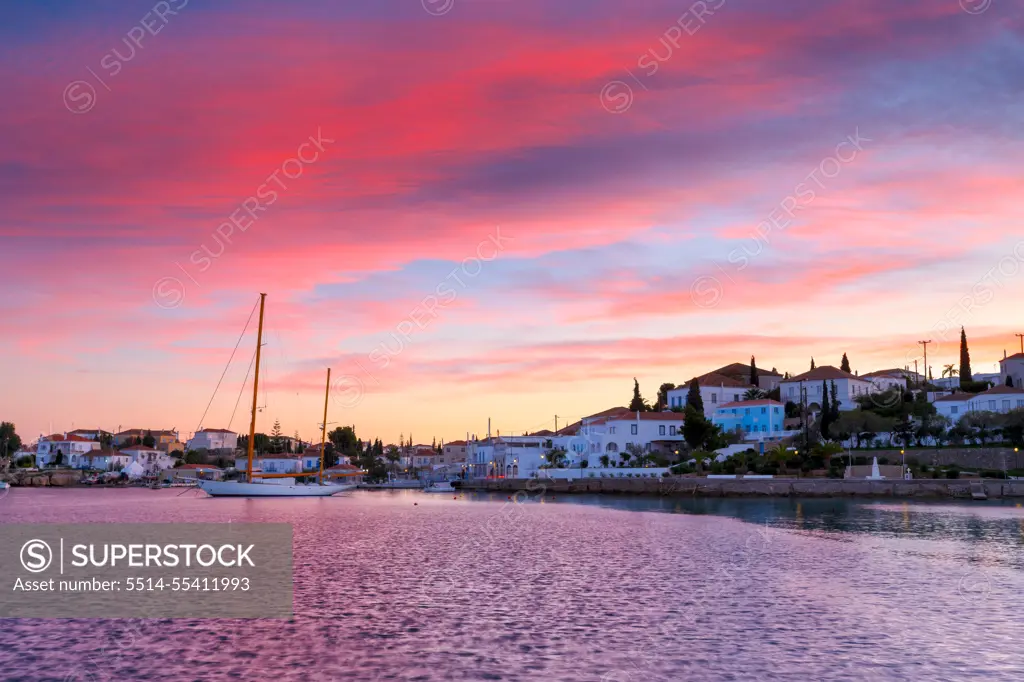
(754, 394)
(950, 371)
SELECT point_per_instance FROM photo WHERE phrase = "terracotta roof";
(716, 379)
(743, 369)
(101, 453)
(894, 373)
(143, 432)
(1015, 356)
(751, 403)
(823, 373)
(342, 467)
(218, 431)
(542, 432)
(140, 448)
(68, 439)
(956, 397)
(456, 442)
(1003, 390)
(193, 467)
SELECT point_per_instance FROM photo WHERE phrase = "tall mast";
(255, 388)
(323, 431)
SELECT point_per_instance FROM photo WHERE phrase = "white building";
(1000, 399)
(103, 460)
(1012, 367)
(953, 406)
(886, 379)
(151, 460)
(66, 448)
(848, 387)
(715, 389)
(214, 439)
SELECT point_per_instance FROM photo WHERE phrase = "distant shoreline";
(775, 487)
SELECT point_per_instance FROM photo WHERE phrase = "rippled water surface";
(407, 586)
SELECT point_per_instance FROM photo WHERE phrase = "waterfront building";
(90, 434)
(715, 389)
(453, 453)
(104, 460)
(193, 472)
(754, 420)
(953, 406)
(848, 387)
(151, 460)
(63, 449)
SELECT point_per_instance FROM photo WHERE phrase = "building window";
(992, 405)
(1006, 405)
(791, 391)
(714, 398)
(672, 430)
(736, 397)
(763, 428)
(1020, 403)
(764, 410)
(632, 429)
(611, 430)
(661, 429)
(954, 409)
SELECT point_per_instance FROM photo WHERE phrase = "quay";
(760, 487)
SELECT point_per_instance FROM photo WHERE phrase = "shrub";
(883, 460)
(953, 473)
(833, 472)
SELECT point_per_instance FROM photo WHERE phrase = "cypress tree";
(826, 410)
(965, 358)
(753, 372)
(812, 363)
(835, 403)
(637, 403)
(845, 365)
(693, 398)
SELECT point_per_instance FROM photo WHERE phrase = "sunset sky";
(508, 209)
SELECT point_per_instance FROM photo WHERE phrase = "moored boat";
(439, 487)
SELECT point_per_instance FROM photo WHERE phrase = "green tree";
(693, 397)
(903, 431)
(754, 394)
(965, 358)
(1012, 425)
(149, 441)
(696, 428)
(845, 365)
(983, 426)
(753, 372)
(663, 395)
(637, 404)
(345, 442)
(10, 441)
(276, 438)
(637, 453)
(833, 392)
(605, 461)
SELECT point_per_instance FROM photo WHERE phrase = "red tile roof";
(1003, 390)
(456, 442)
(68, 439)
(1015, 356)
(342, 467)
(823, 373)
(956, 397)
(716, 379)
(743, 370)
(193, 467)
(218, 431)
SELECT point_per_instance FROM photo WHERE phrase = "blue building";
(758, 419)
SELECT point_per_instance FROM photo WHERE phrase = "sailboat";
(259, 484)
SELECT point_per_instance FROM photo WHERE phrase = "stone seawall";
(776, 487)
(36, 479)
(969, 458)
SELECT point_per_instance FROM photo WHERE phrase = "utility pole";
(556, 423)
(925, 344)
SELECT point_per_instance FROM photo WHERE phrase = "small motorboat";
(440, 487)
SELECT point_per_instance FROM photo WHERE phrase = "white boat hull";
(240, 489)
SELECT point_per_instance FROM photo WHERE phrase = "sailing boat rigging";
(259, 484)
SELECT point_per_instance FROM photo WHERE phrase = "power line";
(226, 367)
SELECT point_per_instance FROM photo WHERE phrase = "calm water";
(575, 588)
